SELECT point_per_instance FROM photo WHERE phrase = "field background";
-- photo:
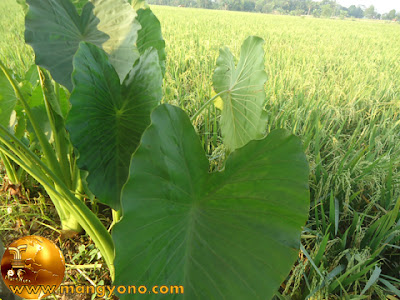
(334, 83)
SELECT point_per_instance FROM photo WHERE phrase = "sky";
(381, 6)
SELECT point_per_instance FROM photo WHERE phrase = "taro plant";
(229, 234)
(45, 164)
(33, 111)
(125, 36)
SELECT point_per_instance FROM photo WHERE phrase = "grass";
(18, 56)
(334, 83)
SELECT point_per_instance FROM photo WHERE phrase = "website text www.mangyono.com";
(100, 290)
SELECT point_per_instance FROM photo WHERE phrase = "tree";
(317, 8)
(235, 5)
(326, 10)
(343, 14)
(316, 12)
(310, 5)
(248, 5)
(356, 12)
(391, 15)
(370, 12)
(298, 7)
(259, 5)
(268, 8)
(204, 3)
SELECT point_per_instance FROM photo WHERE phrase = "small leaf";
(107, 120)
(243, 116)
(8, 100)
(32, 76)
(226, 235)
(374, 277)
(12, 113)
(39, 113)
(48, 90)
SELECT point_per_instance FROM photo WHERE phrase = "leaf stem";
(46, 147)
(57, 125)
(61, 195)
(205, 105)
(10, 170)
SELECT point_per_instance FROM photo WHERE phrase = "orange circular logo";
(32, 267)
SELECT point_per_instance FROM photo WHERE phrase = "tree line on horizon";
(325, 8)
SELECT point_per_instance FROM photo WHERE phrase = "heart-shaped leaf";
(107, 119)
(54, 29)
(226, 235)
(243, 116)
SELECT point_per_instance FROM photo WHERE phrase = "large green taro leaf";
(243, 116)
(107, 119)
(226, 235)
(54, 29)
(150, 35)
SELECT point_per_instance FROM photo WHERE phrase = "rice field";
(334, 83)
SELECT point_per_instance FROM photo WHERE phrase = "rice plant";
(335, 84)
